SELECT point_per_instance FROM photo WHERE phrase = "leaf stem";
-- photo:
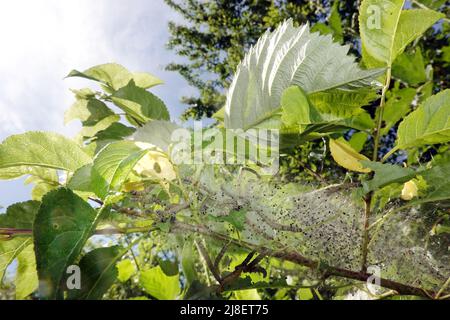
(390, 153)
(380, 114)
(441, 291)
(369, 196)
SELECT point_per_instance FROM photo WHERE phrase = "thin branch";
(12, 232)
(204, 253)
(365, 241)
(441, 291)
(312, 172)
(220, 255)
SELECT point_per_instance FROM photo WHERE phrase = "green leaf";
(87, 110)
(251, 294)
(85, 93)
(81, 179)
(296, 109)
(63, 224)
(20, 215)
(92, 130)
(236, 218)
(362, 121)
(40, 189)
(125, 269)
(98, 273)
(386, 174)
(9, 250)
(409, 67)
(438, 188)
(386, 29)
(358, 140)
(117, 131)
(26, 281)
(335, 105)
(336, 22)
(140, 104)
(397, 106)
(157, 133)
(428, 124)
(322, 28)
(169, 267)
(323, 107)
(219, 115)
(113, 164)
(188, 262)
(146, 80)
(116, 76)
(40, 172)
(43, 149)
(305, 294)
(432, 4)
(156, 283)
(286, 57)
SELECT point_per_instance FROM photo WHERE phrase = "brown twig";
(204, 253)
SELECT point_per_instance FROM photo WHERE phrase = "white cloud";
(43, 40)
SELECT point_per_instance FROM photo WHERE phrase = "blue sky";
(43, 40)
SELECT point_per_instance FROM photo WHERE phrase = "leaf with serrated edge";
(98, 273)
(43, 149)
(285, 57)
(63, 224)
(428, 124)
(112, 166)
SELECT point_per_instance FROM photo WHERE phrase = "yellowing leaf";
(346, 156)
(133, 186)
(155, 164)
(409, 190)
(126, 270)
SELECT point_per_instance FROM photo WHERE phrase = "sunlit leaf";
(43, 149)
(116, 76)
(428, 124)
(26, 281)
(125, 269)
(112, 165)
(285, 57)
(346, 157)
(140, 104)
(386, 29)
(156, 283)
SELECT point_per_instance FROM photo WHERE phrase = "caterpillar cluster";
(327, 225)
